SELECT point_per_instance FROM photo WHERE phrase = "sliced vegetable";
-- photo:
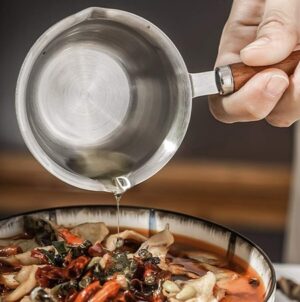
(88, 292)
(25, 287)
(109, 290)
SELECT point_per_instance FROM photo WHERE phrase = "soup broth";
(248, 287)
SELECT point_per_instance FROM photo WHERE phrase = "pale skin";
(261, 32)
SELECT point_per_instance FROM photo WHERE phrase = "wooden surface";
(234, 194)
(242, 73)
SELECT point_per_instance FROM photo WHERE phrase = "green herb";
(50, 255)
(154, 260)
(99, 274)
(150, 279)
(40, 295)
(65, 288)
(80, 250)
(144, 254)
(61, 247)
(92, 263)
(84, 282)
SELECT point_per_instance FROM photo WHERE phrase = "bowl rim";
(187, 216)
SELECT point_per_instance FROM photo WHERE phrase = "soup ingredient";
(94, 232)
(25, 287)
(85, 263)
(41, 230)
(111, 241)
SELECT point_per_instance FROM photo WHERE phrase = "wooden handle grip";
(242, 73)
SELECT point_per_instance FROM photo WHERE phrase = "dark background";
(194, 26)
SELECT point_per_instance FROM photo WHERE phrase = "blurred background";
(237, 175)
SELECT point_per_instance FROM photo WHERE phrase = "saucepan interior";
(155, 220)
(103, 93)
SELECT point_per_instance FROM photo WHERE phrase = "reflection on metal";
(103, 95)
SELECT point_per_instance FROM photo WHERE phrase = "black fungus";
(58, 260)
(40, 229)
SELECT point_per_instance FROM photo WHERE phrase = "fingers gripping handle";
(232, 77)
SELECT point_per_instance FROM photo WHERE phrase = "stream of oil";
(122, 184)
(118, 197)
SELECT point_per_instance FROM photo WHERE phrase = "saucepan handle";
(231, 78)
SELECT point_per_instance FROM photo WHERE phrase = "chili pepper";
(89, 291)
(109, 290)
(69, 237)
(38, 254)
(6, 251)
(48, 275)
(76, 267)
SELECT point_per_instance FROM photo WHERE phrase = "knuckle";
(278, 21)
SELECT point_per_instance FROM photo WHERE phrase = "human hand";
(261, 32)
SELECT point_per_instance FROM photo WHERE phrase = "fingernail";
(256, 44)
(276, 85)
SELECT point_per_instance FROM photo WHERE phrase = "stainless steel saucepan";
(104, 98)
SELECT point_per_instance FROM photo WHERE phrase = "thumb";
(277, 34)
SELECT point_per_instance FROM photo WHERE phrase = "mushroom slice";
(23, 274)
(111, 241)
(203, 257)
(223, 275)
(204, 287)
(177, 269)
(94, 232)
(25, 287)
(158, 244)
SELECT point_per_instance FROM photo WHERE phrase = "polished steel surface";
(103, 99)
(204, 83)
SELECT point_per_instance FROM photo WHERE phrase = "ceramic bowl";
(155, 220)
